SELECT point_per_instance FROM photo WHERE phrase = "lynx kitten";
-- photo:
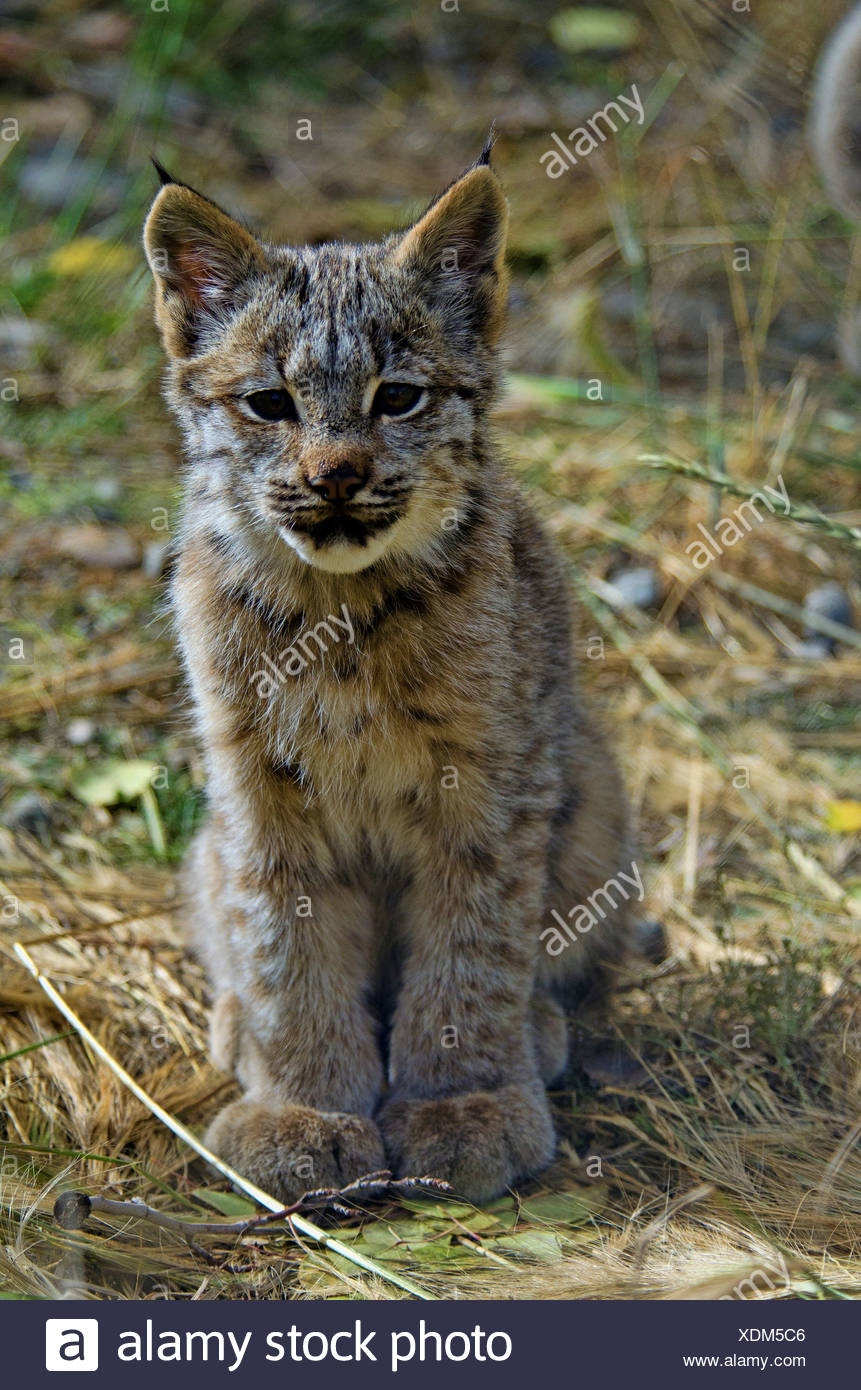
(403, 782)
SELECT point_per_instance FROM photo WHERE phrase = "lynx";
(405, 789)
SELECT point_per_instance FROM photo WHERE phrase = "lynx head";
(330, 394)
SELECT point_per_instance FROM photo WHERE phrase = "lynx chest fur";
(403, 783)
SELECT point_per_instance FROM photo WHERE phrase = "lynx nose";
(339, 483)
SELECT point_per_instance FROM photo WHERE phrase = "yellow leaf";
(89, 255)
(843, 815)
(584, 30)
(114, 781)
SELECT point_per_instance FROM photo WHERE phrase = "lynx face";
(329, 395)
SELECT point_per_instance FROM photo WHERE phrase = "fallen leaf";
(563, 1208)
(538, 1245)
(120, 780)
(227, 1203)
(88, 254)
(843, 815)
(584, 29)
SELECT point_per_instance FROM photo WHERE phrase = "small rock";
(80, 732)
(650, 940)
(827, 601)
(522, 111)
(817, 649)
(71, 1210)
(613, 1067)
(19, 337)
(53, 184)
(105, 513)
(637, 587)
(32, 814)
(155, 558)
(102, 547)
(103, 30)
(61, 115)
(107, 489)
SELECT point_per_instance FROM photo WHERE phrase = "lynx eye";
(396, 398)
(272, 405)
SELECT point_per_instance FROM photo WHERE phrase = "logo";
(71, 1344)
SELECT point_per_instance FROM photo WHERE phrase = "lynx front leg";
(467, 1102)
(308, 1056)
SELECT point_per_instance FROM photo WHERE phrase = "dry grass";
(710, 1125)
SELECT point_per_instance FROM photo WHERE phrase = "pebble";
(155, 558)
(19, 337)
(103, 30)
(817, 649)
(107, 489)
(31, 813)
(637, 587)
(80, 732)
(102, 547)
(826, 601)
(613, 1068)
(651, 939)
(53, 183)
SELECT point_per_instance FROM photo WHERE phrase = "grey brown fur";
(392, 822)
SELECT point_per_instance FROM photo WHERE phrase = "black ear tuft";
(163, 176)
(484, 157)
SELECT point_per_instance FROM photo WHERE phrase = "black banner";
(363, 1344)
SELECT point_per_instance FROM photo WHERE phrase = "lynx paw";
(292, 1150)
(480, 1142)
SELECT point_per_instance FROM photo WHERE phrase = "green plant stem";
(805, 516)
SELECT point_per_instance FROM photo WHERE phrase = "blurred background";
(672, 347)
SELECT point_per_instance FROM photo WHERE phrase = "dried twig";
(126, 669)
(72, 1209)
(300, 1223)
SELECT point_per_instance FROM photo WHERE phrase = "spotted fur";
(391, 823)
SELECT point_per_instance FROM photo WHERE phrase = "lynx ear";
(457, 249)
(200, 258)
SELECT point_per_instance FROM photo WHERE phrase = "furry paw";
(292, 1150)
(480, 1142)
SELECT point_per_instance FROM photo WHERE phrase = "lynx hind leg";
(595, 896)
(225, 1025)
(203, 884)
(550, 1030)
(203, 889)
